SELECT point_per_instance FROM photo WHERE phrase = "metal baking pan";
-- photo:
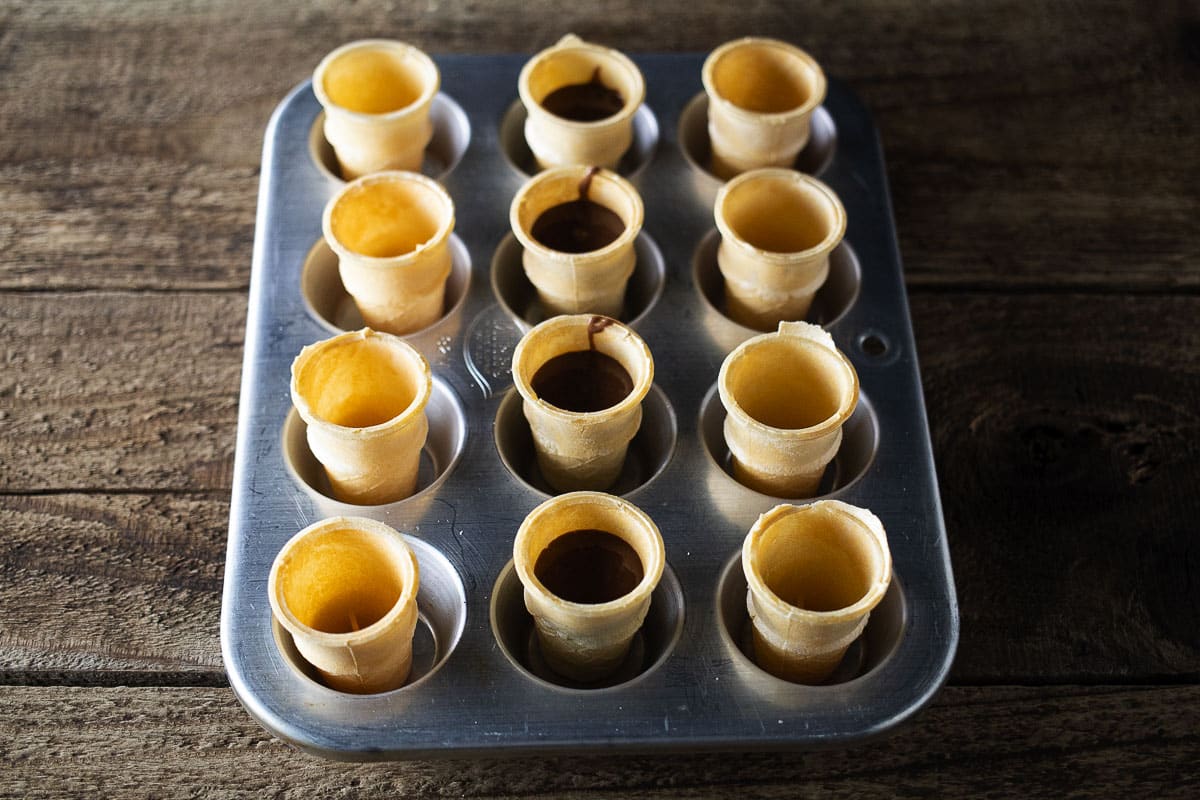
(478, 685)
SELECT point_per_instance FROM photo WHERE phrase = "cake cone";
(786, 397)
(573, 283)
(362, 395)
(582, 450)
(814, 573)
(391, 233)
(777, 228)
(587, 641)
(377, 94)
(761, 96)
(558, 141)
(345, 588)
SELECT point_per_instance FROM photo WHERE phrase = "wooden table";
(1044, 166)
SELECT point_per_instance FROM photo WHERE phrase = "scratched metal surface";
(478, 685)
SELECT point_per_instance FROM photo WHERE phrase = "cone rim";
(401, 420)
(407, 563)
(862, 517)
(423, 99)
(546, 328)
(824, 247)
(440, 236)
(571, 42)
(651, 573)
(815, 99)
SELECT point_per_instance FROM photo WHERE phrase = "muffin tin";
(478, 683)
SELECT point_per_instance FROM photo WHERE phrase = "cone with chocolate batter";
(377, 94)
(391, 233)
(814, 573)
(345, 588)
(786, 397)
(589, 562)
(582, 379)
(580, 99)
(761, 96)
(578, 226)
(362, 395)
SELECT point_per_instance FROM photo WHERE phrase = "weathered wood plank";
(111, 589)
(1048, 742)
(1066, 431)
(116, 391)
(1043, 148)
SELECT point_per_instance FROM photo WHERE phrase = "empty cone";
(814, 573)
(362, 395)
(588, 134)
(391, 233)
(346, 590)
(777, 228)
(786, 397)
(377, 94)
(582, 449)
(586, 641)
(582, 279)
(761, 96)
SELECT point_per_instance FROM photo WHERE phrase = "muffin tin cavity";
(814, 158)
(331, 305)
(512, 625)
(885, 629)
(835, 297)
(649, 452)
(860, 441)
(451, 135)
(520, 157)
(443, 447)
(441, 610)
(519, 298)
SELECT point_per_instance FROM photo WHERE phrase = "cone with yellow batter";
(345, 588)
(391, 233)
(786, 397)
(362, 396)
(761, 96)
(778, 228)
(814, 573)
(377, 94)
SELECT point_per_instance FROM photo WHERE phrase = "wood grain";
(1066, 431)
(119, 391)
(984, 742)
(111, 588)
(1044, 176)
(1031, 149)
